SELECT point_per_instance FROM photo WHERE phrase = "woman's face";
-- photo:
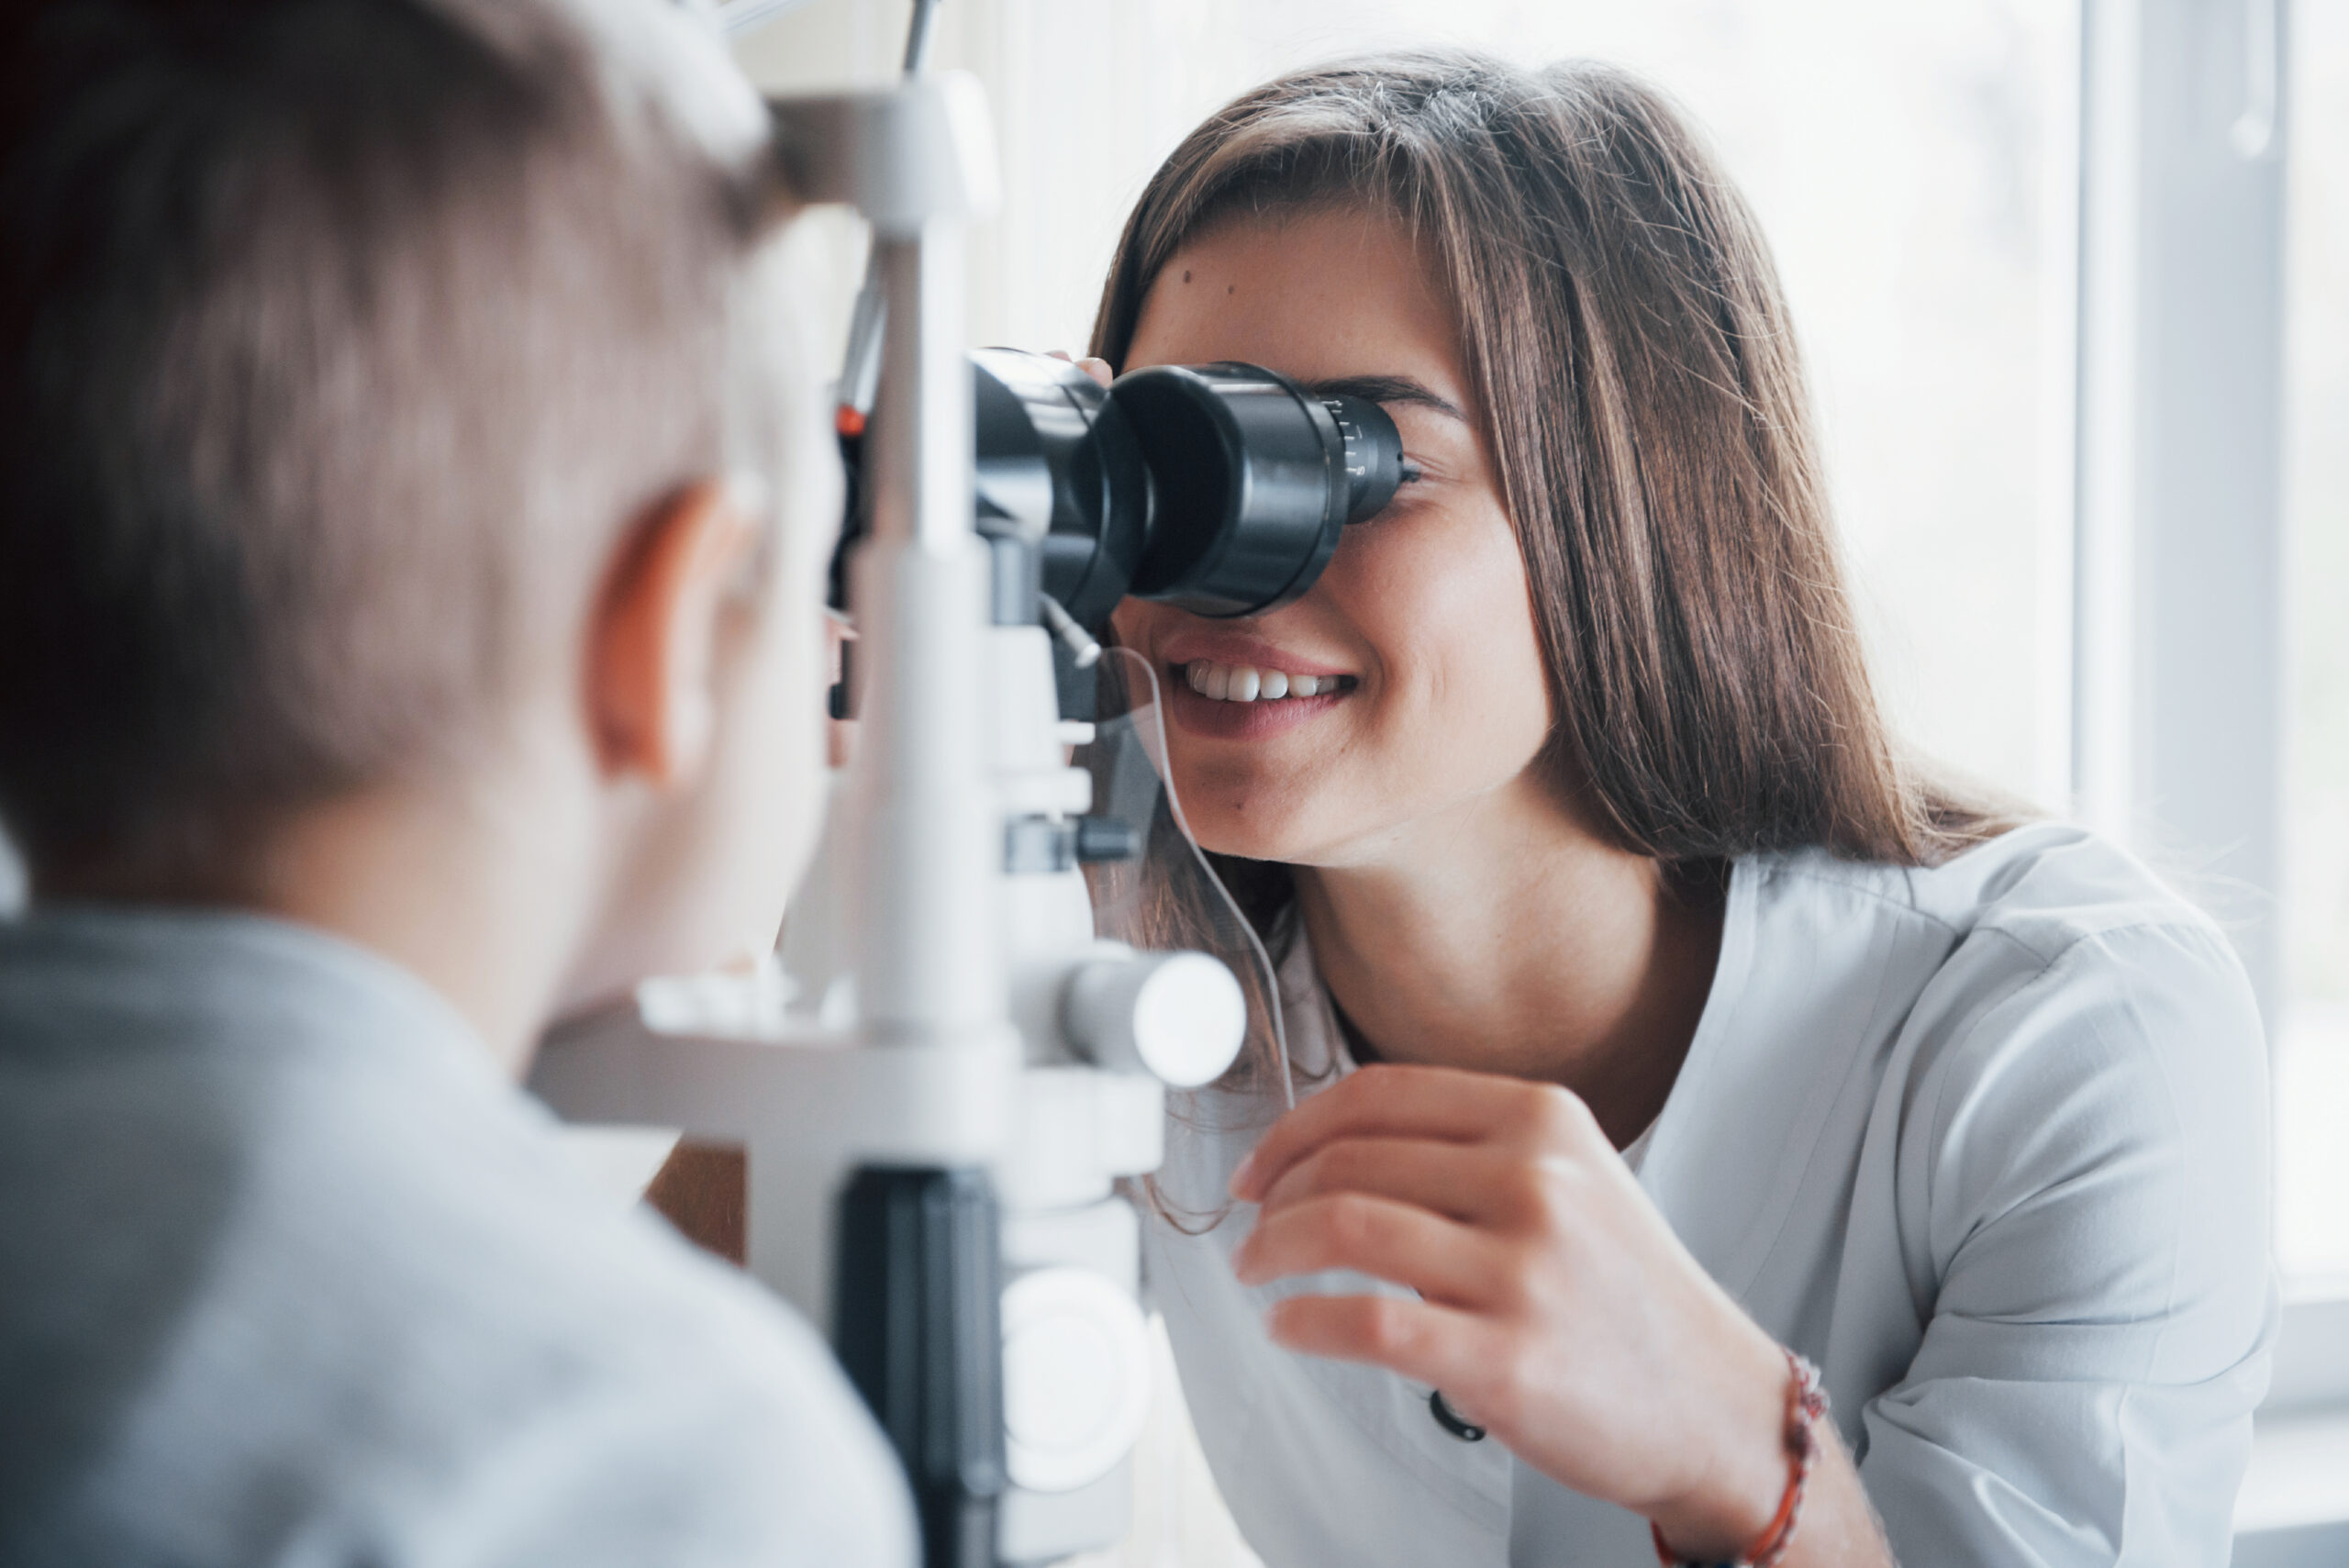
(1422, 622)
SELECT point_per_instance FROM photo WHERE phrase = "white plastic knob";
(1180, 1017)
(1076, 1377)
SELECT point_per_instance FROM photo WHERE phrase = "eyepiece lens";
(1373, 454)
(1221, 488)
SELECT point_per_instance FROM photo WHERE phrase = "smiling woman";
(1340, 294)
(1711, 1034)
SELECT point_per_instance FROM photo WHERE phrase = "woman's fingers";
(1099, 369)
(1417, 1339)
(1379, 1237)
(1439, 1103)
(1466, 1181)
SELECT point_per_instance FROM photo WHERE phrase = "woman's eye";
(1407, 490)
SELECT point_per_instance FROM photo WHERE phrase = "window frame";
(2179, 591)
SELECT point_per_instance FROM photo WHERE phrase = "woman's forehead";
(1319, 293)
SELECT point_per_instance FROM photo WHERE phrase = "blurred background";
(2073, 280)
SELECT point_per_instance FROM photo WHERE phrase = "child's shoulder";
(255, 1170)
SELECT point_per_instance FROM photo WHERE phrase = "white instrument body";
(930, 1009)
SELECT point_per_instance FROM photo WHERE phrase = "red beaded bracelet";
(1806, 1403)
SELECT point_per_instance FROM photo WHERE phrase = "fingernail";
(1240, 1177)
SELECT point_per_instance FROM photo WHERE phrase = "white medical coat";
(1986, 1141)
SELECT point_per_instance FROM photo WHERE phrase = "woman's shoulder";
(2059, 1045)
(2035, 893)
(2045, 977)
(2023, 969)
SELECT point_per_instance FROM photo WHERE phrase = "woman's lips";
(1253, 683)
(1200, 696)
(1231, 648)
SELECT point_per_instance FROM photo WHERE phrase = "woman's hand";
(1557, 1307)
(1098, 369)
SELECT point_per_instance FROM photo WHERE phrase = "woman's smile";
(1246, 682)
(1226, 685)
(1200, 710)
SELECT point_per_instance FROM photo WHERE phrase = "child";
(410, 534)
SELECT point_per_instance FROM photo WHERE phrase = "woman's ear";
(652, 644)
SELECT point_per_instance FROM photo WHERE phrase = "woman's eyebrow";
(1386, 389)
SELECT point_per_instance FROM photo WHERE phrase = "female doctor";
(1660, 1031)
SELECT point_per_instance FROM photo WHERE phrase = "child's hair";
(342, 338)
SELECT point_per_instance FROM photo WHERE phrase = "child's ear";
(652, 644)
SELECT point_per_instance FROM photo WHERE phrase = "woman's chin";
(1258, 836)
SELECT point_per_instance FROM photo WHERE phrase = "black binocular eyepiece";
(1221, 488)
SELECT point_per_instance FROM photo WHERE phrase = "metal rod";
(917, 35)
(924, 473)
(860, 368)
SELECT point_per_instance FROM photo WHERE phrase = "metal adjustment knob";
(1180, 1017)
(1034, 846)
(1104, 839)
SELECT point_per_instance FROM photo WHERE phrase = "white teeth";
(1246, 682)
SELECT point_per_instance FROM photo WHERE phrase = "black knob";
(916, 1322)
(1104, 839)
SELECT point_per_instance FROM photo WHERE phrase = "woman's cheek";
(1450, 613)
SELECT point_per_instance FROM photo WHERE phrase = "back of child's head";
(342, 340)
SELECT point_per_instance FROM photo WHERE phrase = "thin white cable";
(1161, 759)
(1075, 637)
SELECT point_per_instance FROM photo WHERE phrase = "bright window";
(2313, 1051)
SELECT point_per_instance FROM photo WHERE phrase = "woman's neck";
(1506, 938)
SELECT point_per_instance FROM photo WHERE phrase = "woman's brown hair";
(1630, 355)
(1627, 347)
